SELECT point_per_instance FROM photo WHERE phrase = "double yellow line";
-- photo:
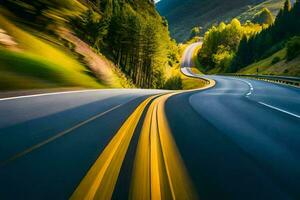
(158, 172)
(100, 180)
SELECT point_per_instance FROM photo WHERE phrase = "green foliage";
(222, 59)
(220, 43)
(133, 35)
(275, 60)
(91, 27)
(19, 70)
(270, 39)
(282, 67)
(174, 83)
(40, 13)
(264, 17)
(293, 48)
(195, 32)
(287, 6)
(47, 56)
(183, 15)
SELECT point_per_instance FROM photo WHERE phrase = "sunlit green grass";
(12, 81)
(282, 67)
(17, 69)
(41, 61)
(263, 65)
(188, 82)
(192, 83)
(272, 5)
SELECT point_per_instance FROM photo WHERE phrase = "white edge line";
(250, 85)
(76, 91)
(281, 110)
(61, 134)
(47, 94)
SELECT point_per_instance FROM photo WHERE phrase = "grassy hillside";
(36, 63)
(184, 15)
(272, 5)
(268, 66)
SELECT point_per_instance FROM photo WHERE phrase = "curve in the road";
(235, 139)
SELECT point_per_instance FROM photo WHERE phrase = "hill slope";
(82, 43)
(267, 67)
(184, 15)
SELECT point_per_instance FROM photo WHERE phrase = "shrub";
(275, 60)
(195, 32)
(173, 83)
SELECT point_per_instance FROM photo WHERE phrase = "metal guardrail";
(289, 80)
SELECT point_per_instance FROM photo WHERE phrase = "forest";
(138, 42)
(220, 43)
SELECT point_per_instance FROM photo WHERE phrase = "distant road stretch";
(238, 139)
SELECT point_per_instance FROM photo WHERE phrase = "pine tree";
(271, 39)
(287, 6)
(264, 17)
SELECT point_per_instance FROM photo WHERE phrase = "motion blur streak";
(159, 172)
(100, 181)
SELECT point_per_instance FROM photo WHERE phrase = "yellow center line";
(179, 181)
(100, 180)
(154, 151)
(159, 171)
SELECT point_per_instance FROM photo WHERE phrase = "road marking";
(187, 59)
(159, 172)
(250, 86)
(100, 180)
(46, 94)
(61, 134)
(281, 110)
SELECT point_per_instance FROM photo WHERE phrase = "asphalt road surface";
(237, 139)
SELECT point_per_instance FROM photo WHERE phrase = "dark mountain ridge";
(184, 15)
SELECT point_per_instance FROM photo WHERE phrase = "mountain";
(184, 15)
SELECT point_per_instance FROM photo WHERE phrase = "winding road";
(235, 139)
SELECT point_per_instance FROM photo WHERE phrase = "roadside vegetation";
(221, 43)
(271, 39)
(266, 45)
(137, 41)
(36, 59)
(179, 81)
(84, 43)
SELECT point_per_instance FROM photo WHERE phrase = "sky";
(156, 1)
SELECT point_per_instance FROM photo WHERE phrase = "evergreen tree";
(138, 42)
(287, 6)
(195, 32)
(264, 17)
(271, 39)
